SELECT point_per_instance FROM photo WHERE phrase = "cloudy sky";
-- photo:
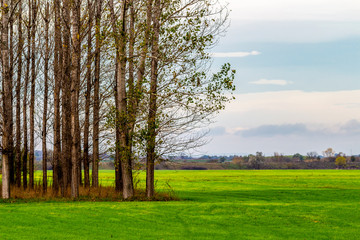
(298, 78)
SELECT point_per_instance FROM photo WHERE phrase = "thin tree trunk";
(96, 109)
(27, 76)
(66, 99)
(131, 92)
(74, 97)
(6, 101)
(57, 170)
(131, 101)
(46, 70)
(126, 163)
(78, 146)
(118, 172)
(141, 70)
(32, 100)
(88, 98)
(151, 155)
(136, 91)
(18, 99)
(11, 75)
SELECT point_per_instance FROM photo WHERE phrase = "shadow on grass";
(89, 194)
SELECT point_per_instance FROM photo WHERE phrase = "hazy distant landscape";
(252, 161)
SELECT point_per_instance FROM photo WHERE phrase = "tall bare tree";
(75, 79)
(6, 98)
(151, 139)
(57, 170)
(88, 95)
(46, 80)
(117, 161)
(96, 109)
(18, 98)
(66, 96)
(27, 78)
(126, 163)
(11, 75)
(34, 7)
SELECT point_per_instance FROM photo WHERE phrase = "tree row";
(130, 78)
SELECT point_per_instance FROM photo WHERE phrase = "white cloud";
(308, 121)
(271, 82)
(235, 54)
(315, 109)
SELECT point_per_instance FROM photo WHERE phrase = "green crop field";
(266, 204)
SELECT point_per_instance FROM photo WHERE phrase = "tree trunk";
(131, 92)
(25, 122)
(122, 129)
(88, 98)
(6, 101)
(18, 100)
(151, 155)
(75, 60)
(126, 163)
(32, 100)
(11, 75)
(96, 109)
(57, 170)
(46, 71)
(78, 133)
(131, 100)
(118, 172)
(141, 70)
(66, 99)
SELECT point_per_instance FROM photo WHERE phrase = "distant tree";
(312, 155)
(298, 157)
(257, 160)
(238, 160)
(278, 157)
(329, 152)
(341, 154)
(340, 161)
(353, 158)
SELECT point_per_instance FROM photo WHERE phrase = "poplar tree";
(6, 99)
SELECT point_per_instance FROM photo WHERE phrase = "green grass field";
(266, 204)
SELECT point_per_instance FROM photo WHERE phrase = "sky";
(298, 78)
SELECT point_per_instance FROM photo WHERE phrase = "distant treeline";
(259, 161)
(242, 162)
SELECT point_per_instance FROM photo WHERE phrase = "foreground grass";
(273, 204)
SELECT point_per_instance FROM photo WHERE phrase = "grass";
(268, 204)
